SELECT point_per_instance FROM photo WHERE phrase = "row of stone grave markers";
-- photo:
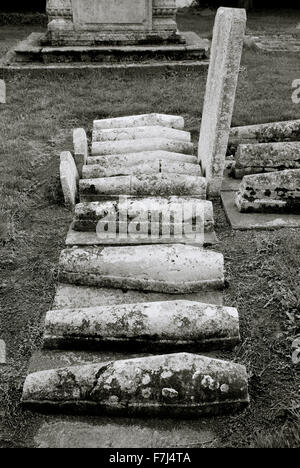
(137, 294)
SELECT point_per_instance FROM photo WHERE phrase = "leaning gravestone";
(226, 52)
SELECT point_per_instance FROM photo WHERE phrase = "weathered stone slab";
(132, 159)
(164, 120)
(256, 221)
(80, 149)
(159, 268)
(69, 179)
(158, 212)
(2, 352)
(266, 157)
(276, 192)
(174, 324)
(69, 296)
(265, 133)
(136, 133)
(161, 185)
(146, 167)
(146, 144)
(124, 433)
(226, 52)
(175, 384)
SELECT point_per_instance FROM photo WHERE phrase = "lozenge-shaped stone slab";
(143, 144)
(173, 324)
(275, 192)
(148, 185)
(174, 385)
(152, 213)
(266, 157)
(172, 269)
(164, 120)
(146, 167)
(135, 133)
(113, 161)
(80, 148)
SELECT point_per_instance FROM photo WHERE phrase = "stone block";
(136, 133)
(264, 133)
(164, 120)
(226, 52)
(266, 157)
(158, 214)
(159, 268)
(114, 161)
(175, 384)
(145, 167)
(152, 325)
(69, 179)
(80, 148)
(145, 144)
(149, 185)
(275, 192)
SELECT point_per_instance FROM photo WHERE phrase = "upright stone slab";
(69, 179)
(80, 149)
(226, 52)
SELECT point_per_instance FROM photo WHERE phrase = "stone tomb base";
(33, 50)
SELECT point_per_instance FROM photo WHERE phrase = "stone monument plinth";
(99, 22)
(110, 32)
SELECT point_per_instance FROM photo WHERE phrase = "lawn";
(262, 268)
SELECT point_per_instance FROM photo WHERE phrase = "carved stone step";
(160, 268)
(144, 144)
(266, 157)
(276, 192)
(146, 167)
(111, 161)
(175, 384)
(136, 133)
(164, 120)
(156, 214)
(155, 326)
(149, 185)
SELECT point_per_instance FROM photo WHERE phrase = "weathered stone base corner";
(255, 221)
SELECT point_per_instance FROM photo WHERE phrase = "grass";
(262, 268)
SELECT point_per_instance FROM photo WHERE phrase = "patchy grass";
(262, 268)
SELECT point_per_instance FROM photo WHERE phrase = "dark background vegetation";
(40, 5)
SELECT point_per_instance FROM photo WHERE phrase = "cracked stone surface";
(266, 157)
(135, 133)
(166, 213)
(163, 120)
(179, 323)
(184, 383)
(159, 268)
(276, 192)
(147, 185)
(112, 161)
